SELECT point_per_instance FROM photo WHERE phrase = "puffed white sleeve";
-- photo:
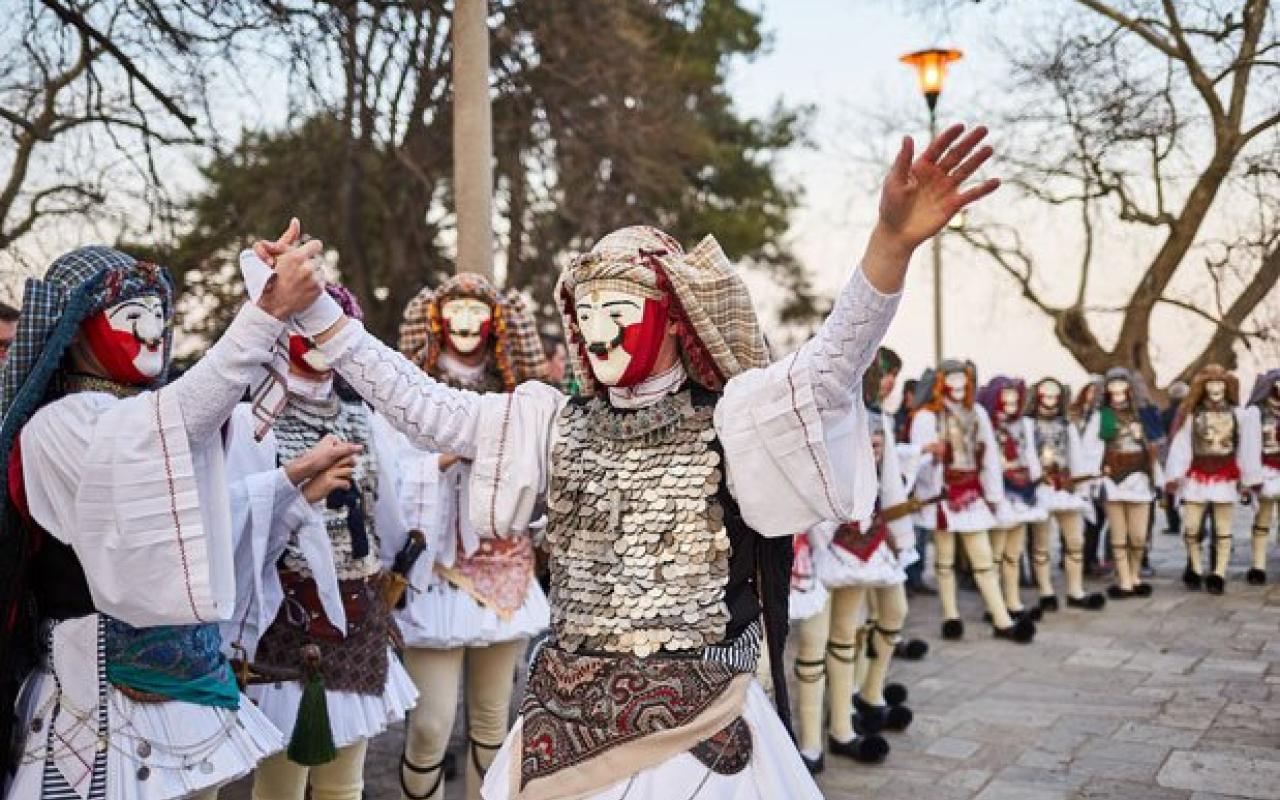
(990, 471)
(797, 449)
(434, 416)
(1249, 449)
(140, 503)
(1178, 461)
(214, 386)
(388, 513)
(266, 510)
(1078, 462)
(1093, 449)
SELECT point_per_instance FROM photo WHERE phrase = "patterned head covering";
(933, 390)
(1210, 372)
(719, 333)
(1033, 397)
(346, 300)
(77, 286)
(1262, 386)
(989, 395)
(1137, 387)
(515, 346)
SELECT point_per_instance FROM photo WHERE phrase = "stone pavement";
(1175, 697)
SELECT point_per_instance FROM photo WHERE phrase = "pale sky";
(842, 57)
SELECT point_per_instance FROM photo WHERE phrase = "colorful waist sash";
(589, 721)
(1214, 469)
(170, 662)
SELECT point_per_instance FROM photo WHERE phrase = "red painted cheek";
(298, 348)
(114, 349)
(642, 341)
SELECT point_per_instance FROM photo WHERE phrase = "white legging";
(1128, 527)
(977, 545)
(1223, 515)
(829, 643)
(1071, 523)
(490, 672)
(278, 778)
(1007, 547)
(1262, 531)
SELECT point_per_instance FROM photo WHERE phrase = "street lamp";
(931, 70)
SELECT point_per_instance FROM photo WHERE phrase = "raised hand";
(269, 251)
(920, 196)
(297, 281)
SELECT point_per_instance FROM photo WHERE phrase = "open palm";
(921, 195)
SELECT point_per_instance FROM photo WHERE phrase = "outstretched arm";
(432, 415)
(919, 197)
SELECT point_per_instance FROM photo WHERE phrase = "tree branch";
(75, 19)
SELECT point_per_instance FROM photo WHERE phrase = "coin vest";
(1214, 432)
(1051, 443)
(649, 552)
(1270, 431)
(960, 433)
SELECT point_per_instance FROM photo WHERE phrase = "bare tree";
(91, 91)
(1158, 123)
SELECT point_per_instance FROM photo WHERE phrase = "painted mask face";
(466, 323)
(623, 333)
(1118, 392)
(954, 385)
(304, 357)
(1050, 397)
(1009, 405)
(127, 339)
(1215, 391)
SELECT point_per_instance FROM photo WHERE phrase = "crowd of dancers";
(258, 566)
(1000, 467)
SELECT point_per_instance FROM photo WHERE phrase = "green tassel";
(312, 742)
(1107, 426)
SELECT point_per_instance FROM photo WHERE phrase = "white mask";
(1215, 390)
(622, 342)
(466, 323)
(954, 385)
(1118, 390)
(1050, 397)
(1009, 402)
(140, 323)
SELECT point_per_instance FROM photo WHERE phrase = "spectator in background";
(1173, 514)
(558, 373)
(902, 417)
(8, 330)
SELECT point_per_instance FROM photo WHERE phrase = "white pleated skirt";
(444, 617)
(352, 716)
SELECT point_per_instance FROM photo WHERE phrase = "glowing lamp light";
(931, 70)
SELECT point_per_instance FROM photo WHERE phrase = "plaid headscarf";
(77, 286)
(515, 348)
(720, 337)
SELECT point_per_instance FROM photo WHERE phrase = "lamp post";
(931, 69)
